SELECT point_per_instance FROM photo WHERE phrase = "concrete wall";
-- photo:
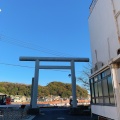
(106, 111)
(103, 31)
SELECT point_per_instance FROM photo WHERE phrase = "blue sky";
(43, 28)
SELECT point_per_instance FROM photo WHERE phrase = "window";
(105, 85)
(97, 100)
(101, 100)
(103, 74)
(99, 77)
(95, 79)
(108, 72)
(102, 89)
(110, 88)
(112, 100)
(92, 89)
(93, 100)
(106, 100)
(96, 90)
(110, 85)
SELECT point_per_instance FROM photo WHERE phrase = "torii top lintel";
(57, 59)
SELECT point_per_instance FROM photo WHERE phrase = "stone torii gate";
(53, 59)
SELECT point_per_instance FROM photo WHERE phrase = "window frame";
(97, 99)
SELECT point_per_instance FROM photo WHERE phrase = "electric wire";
(22, 66)
(15, 65)
(30, 67)
(29, 45)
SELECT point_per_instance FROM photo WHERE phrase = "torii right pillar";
(73, 84)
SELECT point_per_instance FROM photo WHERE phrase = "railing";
(92, 5)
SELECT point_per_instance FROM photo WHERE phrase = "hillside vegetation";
(53, 88)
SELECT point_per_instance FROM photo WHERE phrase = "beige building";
(104, 27)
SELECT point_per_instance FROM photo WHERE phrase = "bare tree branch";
(84, 76)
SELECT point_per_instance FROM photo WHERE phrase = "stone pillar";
(32, 92)
(35, 85)
(73, 84)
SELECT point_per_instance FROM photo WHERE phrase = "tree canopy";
(53, 88)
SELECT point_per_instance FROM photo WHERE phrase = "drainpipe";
(116, 15)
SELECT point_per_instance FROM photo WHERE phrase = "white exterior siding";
(106, 111)
(103, 28)
(117, 10)
(117, 5)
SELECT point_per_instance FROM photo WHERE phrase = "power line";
(31, 46)
(17, 65)
(30, 67)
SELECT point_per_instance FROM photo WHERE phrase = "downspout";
(116, 15)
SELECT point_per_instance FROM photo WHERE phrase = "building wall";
(117, 11)
(106, 111)
(104, 27)
(103, 31)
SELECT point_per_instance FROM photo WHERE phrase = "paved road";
(59, 114)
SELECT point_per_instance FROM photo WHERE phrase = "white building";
(104, 27)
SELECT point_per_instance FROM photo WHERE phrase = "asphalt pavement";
(59, 114)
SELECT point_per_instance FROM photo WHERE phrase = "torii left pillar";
(35, 85)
